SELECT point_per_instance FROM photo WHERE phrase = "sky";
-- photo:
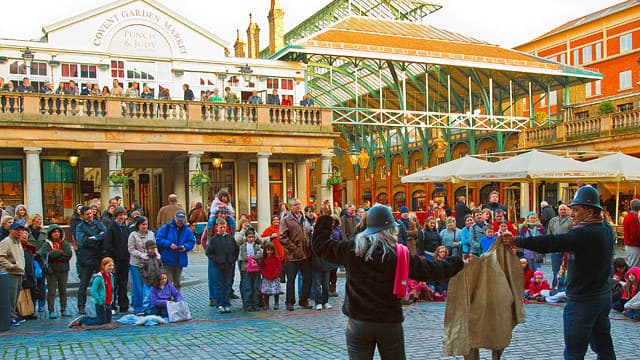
(507, 23)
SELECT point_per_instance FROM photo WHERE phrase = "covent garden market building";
(391, 95)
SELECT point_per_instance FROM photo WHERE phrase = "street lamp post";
(27, 56)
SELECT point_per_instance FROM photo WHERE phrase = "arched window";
(399, 200)
(419, 201)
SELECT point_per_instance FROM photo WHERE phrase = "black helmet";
(587, 196)
(379, 218)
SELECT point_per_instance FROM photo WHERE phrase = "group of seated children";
(625, 283)
(157, 290)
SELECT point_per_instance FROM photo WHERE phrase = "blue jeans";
(222, 285)
(321, 287)
(250, 288)
(556, 262)
(146, 297)
(587, 323)
(137, 297)
(211, 277)
(42, 286)
(103, 316)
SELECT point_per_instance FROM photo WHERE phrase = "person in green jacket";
(55, 253)
(103, 293)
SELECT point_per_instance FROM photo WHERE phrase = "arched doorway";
(382, 198)
(419, 200)
(399, 200)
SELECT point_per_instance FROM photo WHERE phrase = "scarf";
(594, 219)
(402, 271)
(26, 245)
(107, 288)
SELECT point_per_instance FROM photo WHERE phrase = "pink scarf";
(402, 271)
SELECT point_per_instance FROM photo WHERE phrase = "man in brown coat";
(12, 261)
(167, 212)
(297, 253)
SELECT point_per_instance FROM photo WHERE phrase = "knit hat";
(149, 244)
(404, 209)
(538, 273)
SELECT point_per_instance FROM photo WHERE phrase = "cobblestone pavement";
(301, 334)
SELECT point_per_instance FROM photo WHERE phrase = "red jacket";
(535, 288)
(528, 275)
(631, 229)
(271, 266)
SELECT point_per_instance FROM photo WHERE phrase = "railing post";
(325, 117)
(194, 110)
(114, 108)
(561, 131)
(262, 116)
(31, 104)
(606, 124)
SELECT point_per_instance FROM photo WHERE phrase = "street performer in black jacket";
(590, 246)
(374, 281)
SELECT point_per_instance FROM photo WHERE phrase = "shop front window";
(11, 190)
(59, 185)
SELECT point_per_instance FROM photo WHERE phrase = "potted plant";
(119, 178)
(198, 178)
(334, 179)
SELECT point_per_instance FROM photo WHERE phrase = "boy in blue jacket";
(175, 239)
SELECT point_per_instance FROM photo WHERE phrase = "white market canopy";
(536, 166)
(448, 171)
(627, 167)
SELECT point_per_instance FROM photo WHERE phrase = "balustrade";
(75, 108)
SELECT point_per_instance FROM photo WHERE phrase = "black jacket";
(369, 286)
(589, 265)
(223, 250)
(116, 241)
(462, 210)
(546, 214)
(428, 241)
(90, 237)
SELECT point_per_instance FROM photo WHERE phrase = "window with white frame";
(117, 69)
(543, 100)
(597, 87)
(19, 68)
(626, 42)
(553, 98)
(598, 47)
(563, 58)
(625, 80)
(78, 71)
(525, 107)
(576, 57)
(586, 54)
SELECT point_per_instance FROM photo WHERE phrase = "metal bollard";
(4, 301)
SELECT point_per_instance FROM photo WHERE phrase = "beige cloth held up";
(484, 303)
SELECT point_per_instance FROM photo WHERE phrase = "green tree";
(606, 107)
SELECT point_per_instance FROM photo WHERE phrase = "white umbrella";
(626, 166)
(536, 166)
(448, 171)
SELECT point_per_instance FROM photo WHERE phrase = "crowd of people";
(117, 89)
(117, 251)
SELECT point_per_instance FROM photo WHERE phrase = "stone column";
(178, 182)
(115, 164)
(34, 181)
(195, 193)
(242, 195)
(326, 192)
(264, 191)
(301, 182)
(524, 201)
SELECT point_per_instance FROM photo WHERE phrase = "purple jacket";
(159, 297)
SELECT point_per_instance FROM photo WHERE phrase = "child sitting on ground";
(162, 292)
(149, 270)
(270, 269)
(528, 273)
(103, 293)
(440, 287)
(629, 288)
(487, 240)
(537, 285)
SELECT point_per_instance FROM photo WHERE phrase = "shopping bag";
(178, 311)
(252, 265)
(24, 305)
